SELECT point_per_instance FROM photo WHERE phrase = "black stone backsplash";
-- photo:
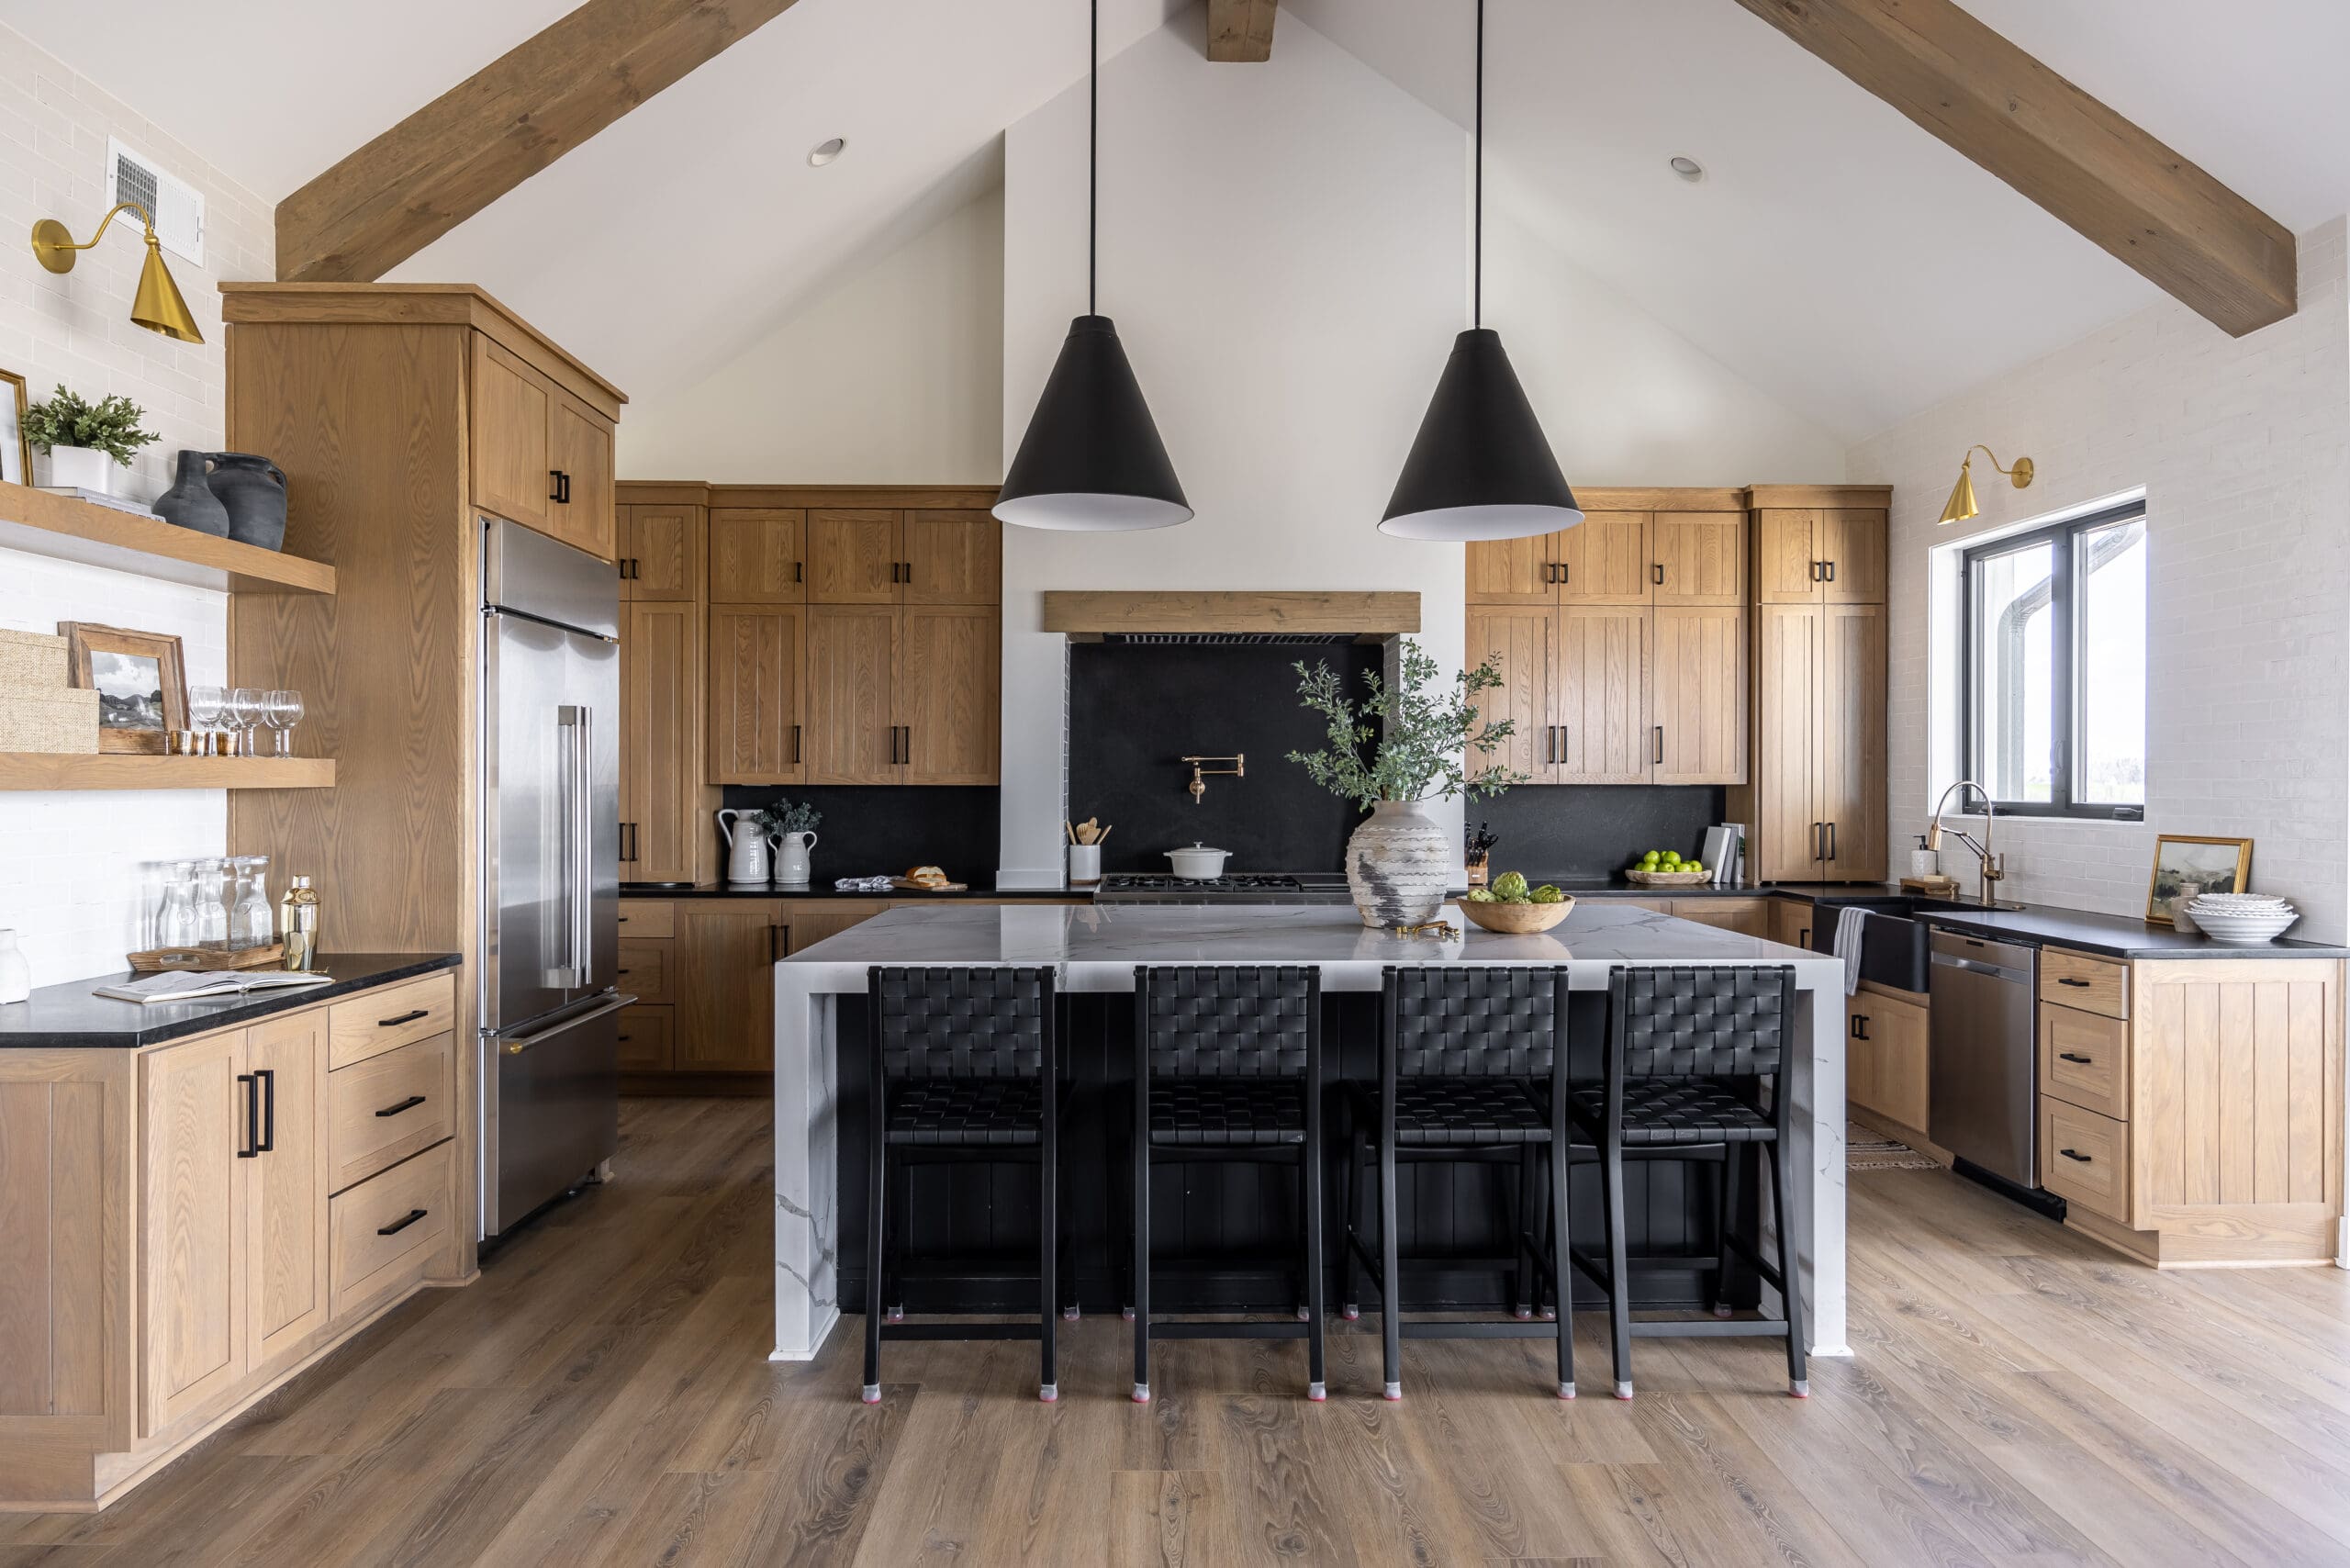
(1134, 709)
(877, 830)
(1591, 830)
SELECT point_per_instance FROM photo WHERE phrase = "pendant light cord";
(1477, 262)
(1093, 156)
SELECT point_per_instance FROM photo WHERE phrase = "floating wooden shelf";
(68, 529)
(117, 770)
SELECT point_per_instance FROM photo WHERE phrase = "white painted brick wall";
(77, 871)
(2243, 446)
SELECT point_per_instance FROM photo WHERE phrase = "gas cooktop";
(1241, 886)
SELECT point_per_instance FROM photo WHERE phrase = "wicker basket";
(32, 661)
(64, 721)
(1668, 878)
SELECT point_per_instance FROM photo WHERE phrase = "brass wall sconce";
(1199, 784)
(1961, 505)
(157, 305)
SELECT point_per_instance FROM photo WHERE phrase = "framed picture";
(16, 453)
(142, 692)
(2189, 868)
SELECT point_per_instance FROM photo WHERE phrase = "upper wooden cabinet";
(866, 556)
(946, 699)
(660, 552)
(661, 801)
(1816, 804)
(540, 456)
(580, 448)
(1513, 571)
(1519, 643)
(854, 556)
(852, 728)
(1606, 559)
(1700, 557)
(1698, 701)
(757, 693)
(1600, 692)
(757, 555)
(953, 557)
(1820, 544)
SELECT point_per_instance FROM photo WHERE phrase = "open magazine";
(196, 985)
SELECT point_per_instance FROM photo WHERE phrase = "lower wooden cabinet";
(726, 954)
(1886, 1065)
(1749, 917)
(388, 1229)
(196, 1125)
(648, 1038)
(1791, 921)
(287, 1182)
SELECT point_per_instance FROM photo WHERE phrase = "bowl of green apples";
(1513, 908)
(1665, 868)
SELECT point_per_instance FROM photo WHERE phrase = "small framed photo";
(16, 453)
(2187, 868)
(141, 686)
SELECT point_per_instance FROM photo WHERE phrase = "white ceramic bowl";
(2242, 930)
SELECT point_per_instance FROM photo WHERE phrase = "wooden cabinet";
(1747, 916)
(1700, 557)
(1697, 708)
(1606, 559)
(648, 1038)
(580, 450)
(662, 805)
(1886, 1060)
(661, 552)
(1821, 554)
(1600, 686)
(1519, 643)
(1815, 800)
(1849, 788)
(951, 557)
(726, 954)
(807, 923)
(1791, 921)
(757, 733)
(285, 1191)
(387, 1108)
(1513, 571)
(2085, 1060)
(757, 555)
(944, 696)
(540, 456)
(854, 556)
(198, 1123)
(852, 726)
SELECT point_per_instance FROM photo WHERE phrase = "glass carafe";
(212, 900)
(175, 921)
(252, 924)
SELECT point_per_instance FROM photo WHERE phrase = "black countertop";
(826, 890)
(68, 1016)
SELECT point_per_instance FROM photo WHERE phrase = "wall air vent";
(177, 207)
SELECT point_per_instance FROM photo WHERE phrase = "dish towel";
(864, 884)
(1849, 923)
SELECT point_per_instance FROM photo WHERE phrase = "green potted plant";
(85, 441)
(1391, 751)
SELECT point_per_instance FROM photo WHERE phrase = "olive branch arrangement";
(1408, 742)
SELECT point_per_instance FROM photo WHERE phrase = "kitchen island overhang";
(1093, 949)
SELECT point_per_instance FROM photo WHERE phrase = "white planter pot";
(81, 468)
(1399, 865)
(791, 857)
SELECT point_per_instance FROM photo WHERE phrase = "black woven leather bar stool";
(1687, 1052)
(1472, 1069)
(1228, 1068)
(965, 1068)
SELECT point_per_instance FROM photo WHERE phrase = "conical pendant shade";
(158, 306)
(1091, 460)
(1481, 467)
(1961, 498)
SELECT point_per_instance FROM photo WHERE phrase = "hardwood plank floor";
(601, 1396)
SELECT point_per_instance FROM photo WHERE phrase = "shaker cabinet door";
(725, 1008)
(1788, 837)
(1850, 786)
(1698, 710)
(1600, 680)
(1606, 559)
(195, 1121)
(513, 474)
(660, 745)
(660, 552)
(1519, 643)
(1700, 557)
(580, 449)
(953, 557)
(757, 733)
(1514, 571)
(757, 555)
(852, 733)
(854, 557)
(945, 693)
(287, 1275)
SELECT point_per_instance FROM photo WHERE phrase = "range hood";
(1296, 618)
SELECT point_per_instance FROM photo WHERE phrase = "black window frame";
(2065, 706)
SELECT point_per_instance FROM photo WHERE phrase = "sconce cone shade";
(1481, 467)
(1961, 505)
(158, 306)
(1091, 461)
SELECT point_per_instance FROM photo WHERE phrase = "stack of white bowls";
(2241, 919)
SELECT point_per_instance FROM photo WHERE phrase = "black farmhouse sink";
(1892, 943)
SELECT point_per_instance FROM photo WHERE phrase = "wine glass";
(281, 711)
(244, 712)
(204, 705)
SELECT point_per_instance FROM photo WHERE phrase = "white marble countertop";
(1095, 947)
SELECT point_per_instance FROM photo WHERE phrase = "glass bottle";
(212, 900)
(297, 921)
(175, 921)
(250, 923)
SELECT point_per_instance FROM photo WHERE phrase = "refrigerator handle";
(572, 720)
(583, 961)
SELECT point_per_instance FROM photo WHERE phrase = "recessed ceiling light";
(825, 151)
(1689, 169)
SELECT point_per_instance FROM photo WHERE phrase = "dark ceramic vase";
(254, 489)
(190, 503)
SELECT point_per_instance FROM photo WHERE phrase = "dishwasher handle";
(1977, 967)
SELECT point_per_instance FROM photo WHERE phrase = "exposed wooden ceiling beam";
(490, 132)
(2116, 185)
(1240, 30)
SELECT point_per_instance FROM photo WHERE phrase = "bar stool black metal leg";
(1141, 1289)
(1524, 1267)
(1733, 1157)
(1619, 1291)
(1310, 1177)
(1351, 1231)
(877, 1161)
(1391, 1327)
(900, 1184)
(1790, 1288)
(1049, 1386)
(1561, 1267)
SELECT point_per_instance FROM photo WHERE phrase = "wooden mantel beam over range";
(2183, 231)
(1240, 30)
(490, 132)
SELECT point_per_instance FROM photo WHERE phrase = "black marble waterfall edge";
(871, 830)
(980, 1220)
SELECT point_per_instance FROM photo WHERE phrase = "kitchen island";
(819, 1069)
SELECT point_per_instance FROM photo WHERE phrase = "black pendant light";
(1091, 461)
(1480, 468)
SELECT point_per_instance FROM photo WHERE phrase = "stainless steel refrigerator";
(550, 871)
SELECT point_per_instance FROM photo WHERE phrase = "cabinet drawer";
(648, 1039)
(380, 1021)
(648, 917)
(2085, 1158)
(386, 1230)
(2085, 1061)
(2093, 985)
(382, 1109)
(645, 968)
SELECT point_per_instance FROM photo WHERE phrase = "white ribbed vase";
(1399, 865)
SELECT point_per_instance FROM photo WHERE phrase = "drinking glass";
(204, 705)
(244, 712)
(281, 711)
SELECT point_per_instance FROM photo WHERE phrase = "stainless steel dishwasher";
(1983, 1106)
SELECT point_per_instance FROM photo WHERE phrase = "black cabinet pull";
(1828, 567)
(1819, 841)
(2068, 979)
(795, 573)
(253, 1116)
(1549, 742)
(268, 1077)
(413, 1100)
(1656, 573)
(1831, 843)
(404, 1018)
(2072, 1056)
(1860, 1025)
(909, 579)
(399, 1225)
(554, 484)
(795, 744)
(1803, 937)
(2075, 1154)
(777, 942)
(1659, 757)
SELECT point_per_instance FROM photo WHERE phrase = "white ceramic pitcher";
(748, 857)
(791, 857)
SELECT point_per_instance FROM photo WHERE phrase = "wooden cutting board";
(905, 887)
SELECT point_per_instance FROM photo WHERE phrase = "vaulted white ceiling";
(1835, 254)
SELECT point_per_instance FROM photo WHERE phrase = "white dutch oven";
(1198, 861)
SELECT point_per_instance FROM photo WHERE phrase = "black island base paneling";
(1241, 1221)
